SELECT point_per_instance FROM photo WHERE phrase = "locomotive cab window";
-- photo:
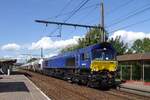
(103, 54)
(84, 56)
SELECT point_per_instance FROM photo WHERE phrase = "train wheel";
(90, 84)
(104, 85)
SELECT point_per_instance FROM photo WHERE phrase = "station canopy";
(134, 57)
(8, 61)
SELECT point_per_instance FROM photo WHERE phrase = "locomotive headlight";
(104, 48)
(109, 75)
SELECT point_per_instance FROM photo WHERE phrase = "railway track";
(61, 90)
(126, 95)
(135, 91)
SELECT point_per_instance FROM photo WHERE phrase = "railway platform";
(140, 88)
(18, 87)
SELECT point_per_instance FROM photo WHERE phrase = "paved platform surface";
(137, 87)
(18, 87)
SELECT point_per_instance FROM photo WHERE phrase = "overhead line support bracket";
(66, 24)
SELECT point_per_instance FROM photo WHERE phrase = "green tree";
(141, 46)
(91, 37)
(119, 45)
(137, 46)
(146, 44)
(129, 51)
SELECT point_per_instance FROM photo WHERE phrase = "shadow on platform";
(13, 87)
(20, 73)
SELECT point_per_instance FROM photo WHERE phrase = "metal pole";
(131, 72)
(41, 52)
(8, 70)
(102, 13)
(143, 71)
(121, 73)
(102, 21)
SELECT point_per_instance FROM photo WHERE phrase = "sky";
(22, 36)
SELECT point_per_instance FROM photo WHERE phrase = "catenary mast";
(102, 35)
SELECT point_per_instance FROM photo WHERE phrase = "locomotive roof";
(82, 50)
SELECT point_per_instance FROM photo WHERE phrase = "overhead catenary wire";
(130, 25)
(130, 16)
(61, 11)
(89, 12)
(68, 13)
(83, 3)
(53, 31)
(69, 2)
(119, 7)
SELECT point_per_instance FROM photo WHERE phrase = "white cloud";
(130, 36)
(7, 57)
(48, 43)
(51, 55)
(10, 47)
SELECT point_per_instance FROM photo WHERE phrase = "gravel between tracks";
(58, 89)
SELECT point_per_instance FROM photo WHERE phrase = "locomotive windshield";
(103, 54)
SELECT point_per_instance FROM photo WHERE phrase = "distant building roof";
(8, 61)
(134, 57)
